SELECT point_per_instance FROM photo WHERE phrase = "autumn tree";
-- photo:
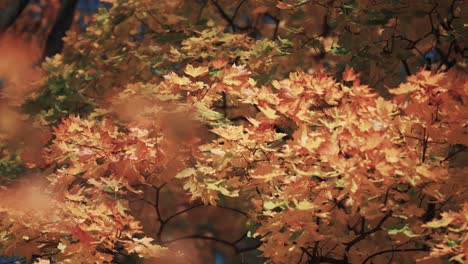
(263, 131)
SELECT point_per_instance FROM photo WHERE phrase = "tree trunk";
(11, 9)
(54, 43)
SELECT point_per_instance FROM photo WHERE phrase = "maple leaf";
(145, 248)
(235, 75)
(218, 63)
(229, 132)
(350, 76)
(195, 72)
(177, 79)
(405, 88)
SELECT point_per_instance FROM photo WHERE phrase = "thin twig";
(363, 235)
(392, 251)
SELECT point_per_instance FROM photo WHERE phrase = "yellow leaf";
(304, 205)
(61, 247)
(75, 197)
(121, 208)
(253, 121)
(177, 79)
(404, 88)
(354, 186)
(229, 132)
(301, 172)
(194, 72)
(269, 112)
(186, 173)
(267, 177)
(444, 221)
(221, 189)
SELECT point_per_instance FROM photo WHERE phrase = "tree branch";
(363, 235)
(322, 259)
(406, 66)
(392, 251)
(237, 9)
(224, 15)
(215, 239)
(202, 237)
(181, 212)
(161, 221)
(169, 218)
(62, 24)
(232, 209)
(143, 200)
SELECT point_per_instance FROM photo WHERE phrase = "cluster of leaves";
(152, 112)
(10, 164)
(352, 168)
(139, 41)
(385, 40)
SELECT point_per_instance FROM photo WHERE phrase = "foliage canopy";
(163, 130)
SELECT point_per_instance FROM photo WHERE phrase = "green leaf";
(452, 243)
(217, 186)
(434, 156)
(409, 233)
(339, 50)
(349, 6)
(269, 205)
(206, 113)
(285, 41)
(108, 189)
(215, 72)
(296, 234)
(396, 229)
(301, 2)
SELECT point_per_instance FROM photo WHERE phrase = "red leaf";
(81, 234)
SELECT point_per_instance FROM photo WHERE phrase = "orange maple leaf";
(81, 234)
(349, 75)
(218, 63)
